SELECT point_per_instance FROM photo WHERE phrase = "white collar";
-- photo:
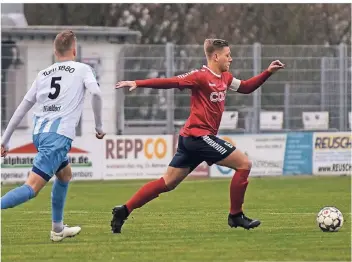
(219, 76)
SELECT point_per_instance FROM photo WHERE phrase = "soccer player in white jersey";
(59, 92)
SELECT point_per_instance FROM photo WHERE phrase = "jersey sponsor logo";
(46, 73)
(67, 69)
(187, 74)
(52, 108)
(59, 68)
(218, 96)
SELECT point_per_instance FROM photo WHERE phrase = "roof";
(111, 34)
(13, 19)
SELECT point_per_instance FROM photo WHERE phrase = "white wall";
(40, 55)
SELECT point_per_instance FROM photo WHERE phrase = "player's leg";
(181, 165)
(58, 196)
(36, 180)
(151, 190)
(58, 199)
(22, 194)
(147, 193)
(238, 161)
(215, 150)
(57, 147)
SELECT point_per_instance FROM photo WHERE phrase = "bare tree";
(191, 23)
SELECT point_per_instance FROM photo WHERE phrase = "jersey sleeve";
(232, 82)
(89, 75)
(188, 80)
(31, 94)
(90, 80)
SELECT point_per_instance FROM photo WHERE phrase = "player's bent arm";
(250, 85)
(97, 105)
(15, 120)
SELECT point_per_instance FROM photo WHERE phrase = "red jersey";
(207, 101)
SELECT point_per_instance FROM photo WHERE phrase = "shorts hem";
(222, 157)
(179, 166)
(39, 172)
(62, 166)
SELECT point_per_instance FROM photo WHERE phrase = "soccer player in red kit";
(197, 140)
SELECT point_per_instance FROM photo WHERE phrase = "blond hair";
(64, 42)
(211, 45)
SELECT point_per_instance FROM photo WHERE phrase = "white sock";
(57, 227)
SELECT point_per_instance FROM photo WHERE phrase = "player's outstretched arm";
(158, 83)
(250, 85)
(187, 80)
(15, 120)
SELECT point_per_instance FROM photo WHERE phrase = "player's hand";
(100, 135)
(4, 150)
(131, 84)
(275, 66)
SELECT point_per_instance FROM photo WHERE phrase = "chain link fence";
(316, 78)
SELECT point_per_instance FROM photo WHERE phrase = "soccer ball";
(330, 219)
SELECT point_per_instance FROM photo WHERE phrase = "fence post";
(170, 56)
(323, 84)
(78, 59)
(120, 93)
(287, 106)
(257, 66)
(342, 91)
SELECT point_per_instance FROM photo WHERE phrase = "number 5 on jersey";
(55, 85)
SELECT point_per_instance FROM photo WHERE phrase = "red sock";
(238, 188)
(146, 193)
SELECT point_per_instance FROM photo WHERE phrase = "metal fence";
(316, 78)
(13, 78)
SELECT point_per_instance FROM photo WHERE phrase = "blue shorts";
(191, 151)
(52, 154)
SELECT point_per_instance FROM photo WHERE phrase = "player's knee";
(249, 164)
(35, 182)
(171, 184)
(64, 178)
(246, 164)
(35, 191)
(174, 177)
(65, 175)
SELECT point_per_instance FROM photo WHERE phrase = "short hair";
(211, 45)
(64, 41)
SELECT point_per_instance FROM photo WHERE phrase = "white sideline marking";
(109, 212)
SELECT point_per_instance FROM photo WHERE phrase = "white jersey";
(59, 92)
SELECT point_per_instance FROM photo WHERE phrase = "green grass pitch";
(188, 224)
